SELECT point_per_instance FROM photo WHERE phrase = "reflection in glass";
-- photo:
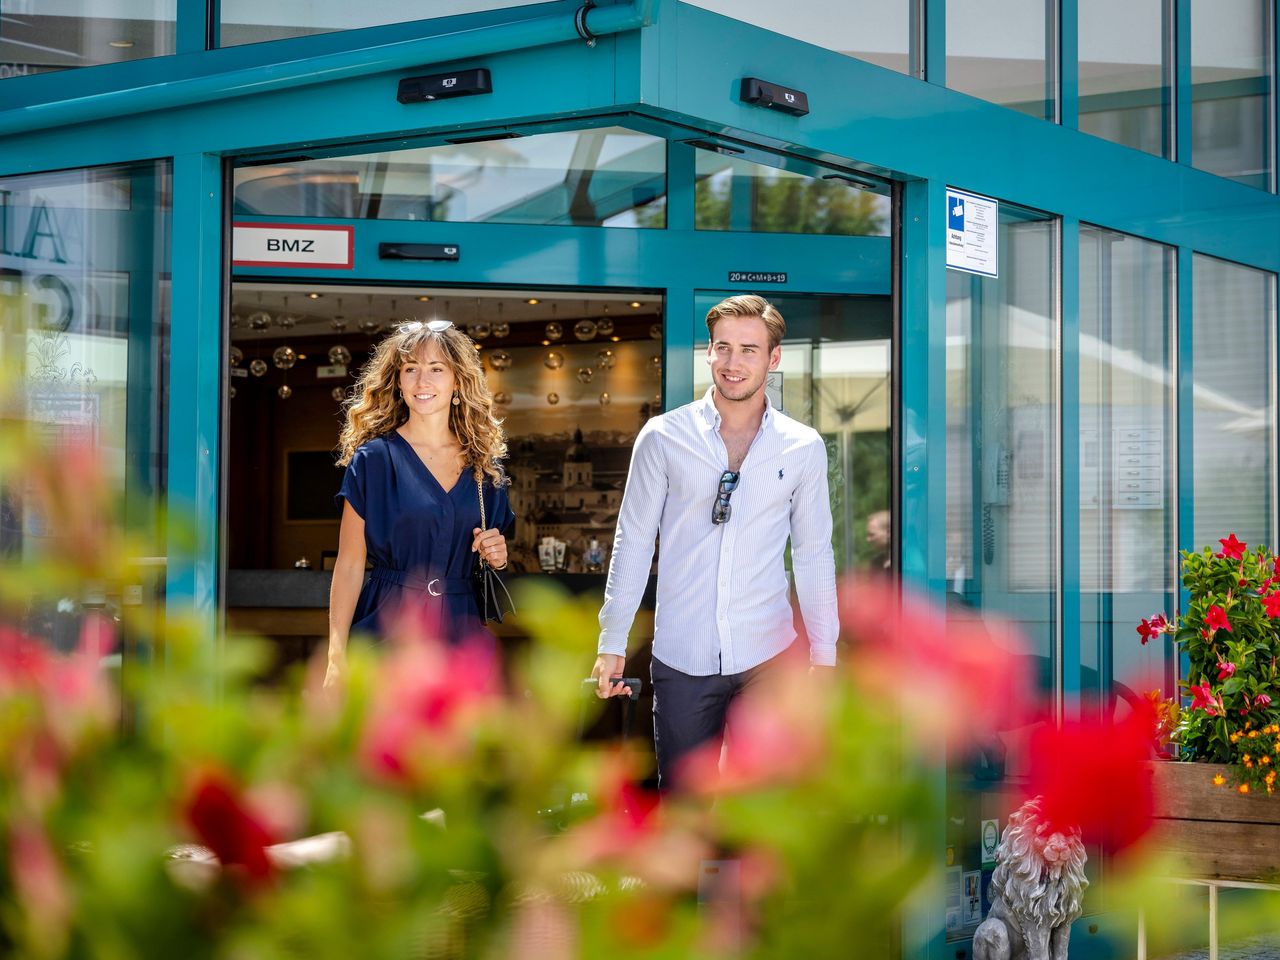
(253, 21)
(836, 376)
(38, 37)
(1231, 69)
(1123, 90)
(610, 177)
(871, 30)
(735, 194)
(84, 313)
(1002, 491)
(996, 51)
(1233, 324)
(1127, 463)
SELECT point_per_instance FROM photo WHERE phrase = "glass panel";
(836, 376)
(1002, 493)
(84, 320)
(996, 51)
(735, 194)
(1123, 94)
(610, 177)
(1233, 367)
(872, 30)
(1127, 464)
(576, 376)
(1230, 89)
(39, 36)
(253, 21)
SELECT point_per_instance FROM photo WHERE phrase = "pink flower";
(1216, 619)
(1225, 669)
(1203, 698)
(1262, 700)
(1232, 549)
(430, 694)
(955, 671)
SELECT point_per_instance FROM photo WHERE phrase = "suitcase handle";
(635, 684)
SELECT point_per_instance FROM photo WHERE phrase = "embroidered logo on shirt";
(779, 474)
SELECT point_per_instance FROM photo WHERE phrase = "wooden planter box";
(1214, 832)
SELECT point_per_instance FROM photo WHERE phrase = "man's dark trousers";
(689, 712)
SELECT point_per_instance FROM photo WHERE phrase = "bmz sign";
(292, 245)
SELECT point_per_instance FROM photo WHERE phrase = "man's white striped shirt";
(723, 594)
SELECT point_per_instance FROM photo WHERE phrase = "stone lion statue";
(1037, 891)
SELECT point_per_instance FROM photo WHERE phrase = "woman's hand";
(336, 672)
(492, 547)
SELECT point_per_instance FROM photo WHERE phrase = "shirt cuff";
(822, 656)
(613, 643)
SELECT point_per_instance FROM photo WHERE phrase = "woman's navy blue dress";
(418, 537)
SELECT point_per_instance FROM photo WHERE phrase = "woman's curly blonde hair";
(376, 407)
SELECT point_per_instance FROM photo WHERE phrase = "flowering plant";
(1231, 634)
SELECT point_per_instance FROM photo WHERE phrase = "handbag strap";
(483, 524)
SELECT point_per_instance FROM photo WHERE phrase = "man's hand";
(608, 666)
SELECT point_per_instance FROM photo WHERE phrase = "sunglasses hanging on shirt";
(720, 511)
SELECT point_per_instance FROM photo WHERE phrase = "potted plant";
(1218, 818)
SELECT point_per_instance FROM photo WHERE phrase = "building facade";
(1027, 254)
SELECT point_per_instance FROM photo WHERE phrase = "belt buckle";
(431, 587)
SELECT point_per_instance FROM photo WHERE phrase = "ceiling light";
(120, 44)
(533, 301)
(636, 304)
(546, 343)
(615, 339)
(302, 356)
(315, 296)
(424, 299)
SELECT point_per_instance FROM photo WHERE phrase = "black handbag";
(492, 598)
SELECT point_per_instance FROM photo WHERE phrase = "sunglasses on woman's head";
(720, 511)
(435, 326)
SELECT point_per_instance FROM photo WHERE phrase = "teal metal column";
(194, 19)
(1069, 459)
(935, 40)
(681, 329)
(921, 366)
(196, 366)
(1186, 436)
(1182, 82)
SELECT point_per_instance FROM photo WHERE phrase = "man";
(726, 481)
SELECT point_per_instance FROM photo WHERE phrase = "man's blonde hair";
(749, 305)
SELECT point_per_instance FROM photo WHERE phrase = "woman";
(420, 431)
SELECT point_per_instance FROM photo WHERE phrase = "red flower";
(1226, 669)
(225, 824)
(1272, 603)
(1216, 619)
(1262, 700)
(1203, 698)
(1275, 567)
(1150, 629)
(1232, 549)
(1082, 768)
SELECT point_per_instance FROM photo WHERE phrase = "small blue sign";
(955, 214)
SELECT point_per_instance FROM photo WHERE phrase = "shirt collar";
(707, 407)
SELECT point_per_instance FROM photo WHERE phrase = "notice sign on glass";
(973, 233)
